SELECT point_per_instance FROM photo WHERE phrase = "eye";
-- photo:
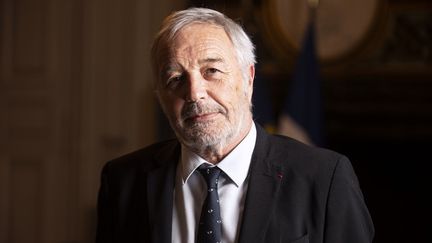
(212, 70)
(174, 81)
(212, 73)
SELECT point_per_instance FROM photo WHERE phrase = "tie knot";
(210, 174)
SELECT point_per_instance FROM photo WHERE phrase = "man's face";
(202, 91)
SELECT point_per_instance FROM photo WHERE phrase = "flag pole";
(313, 6)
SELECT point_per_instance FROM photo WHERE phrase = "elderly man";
(224, 179)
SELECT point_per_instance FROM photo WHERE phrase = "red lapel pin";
(280, 175)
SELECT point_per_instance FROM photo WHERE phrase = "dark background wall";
(75, 92)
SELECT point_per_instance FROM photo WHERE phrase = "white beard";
(213, 135)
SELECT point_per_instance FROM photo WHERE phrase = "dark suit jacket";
(296, 194)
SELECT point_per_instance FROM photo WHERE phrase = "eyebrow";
(210, 60)
(172, 67)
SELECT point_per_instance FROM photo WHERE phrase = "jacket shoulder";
(301, 159)
(147, 158)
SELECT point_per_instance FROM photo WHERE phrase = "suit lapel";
(160, 191)
(264, 182)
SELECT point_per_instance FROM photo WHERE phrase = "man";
(263, 188)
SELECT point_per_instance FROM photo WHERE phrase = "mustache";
(196, 109)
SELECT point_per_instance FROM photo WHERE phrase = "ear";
(250, 81)
(252, 73)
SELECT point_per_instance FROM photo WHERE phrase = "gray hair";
(244, 48)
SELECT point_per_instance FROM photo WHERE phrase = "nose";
(196, 88)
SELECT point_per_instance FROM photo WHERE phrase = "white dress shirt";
(191, 189)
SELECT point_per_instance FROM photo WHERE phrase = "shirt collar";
(235, 165)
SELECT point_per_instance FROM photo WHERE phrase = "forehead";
(201, 39)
